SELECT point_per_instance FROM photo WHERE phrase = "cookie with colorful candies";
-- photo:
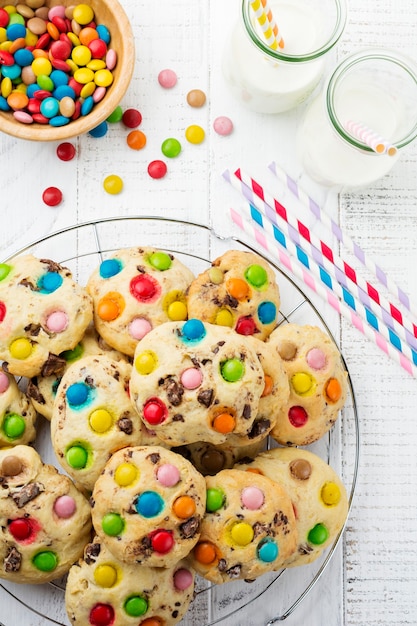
(43, 312)
(318, 383)
(93, 417)
(101, 590)
(134, 290)
(148, 505)
(45, 520)
(193, 381)
(249, 528)
(17, 415)
(42, 389)
(239, 291)
(317, 493)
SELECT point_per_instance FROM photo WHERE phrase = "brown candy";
(213, 461)
(300, 469)
(287, 350)
(196, 98)
(11, 465)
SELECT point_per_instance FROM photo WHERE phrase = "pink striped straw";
(348, 242)
(263, 239)
(370, 138)
(324, 256)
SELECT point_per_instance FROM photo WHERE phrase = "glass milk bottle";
(275, 79)
(352, 134)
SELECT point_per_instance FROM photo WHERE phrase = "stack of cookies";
(163, 391)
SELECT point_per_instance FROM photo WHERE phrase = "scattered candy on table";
(223, 125)
(167, 78)
(171, 147)
(157, 169)
(132, 118)
(52, 196)
(196, 98)
(113, 184)
(136, 140)
(195, 134)
(116, 116)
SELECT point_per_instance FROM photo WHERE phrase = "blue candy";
(103, 33)
(59, 120)
(23, 57)
(3, 104)
(59, 77)
(149, 504)
(15, 31)
(61, 91)
(87, 105)
(11, 71)
(193, 330)
(49, 107)
(100, 130)
(110, 267)
(267, 312)
(267, 550)
(77, 394)
(50, 282)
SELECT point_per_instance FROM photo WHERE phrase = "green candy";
(112, 524)
(160, 261)
(256, 276)
(232, 370)
(73, 355)
(171, 147)
(14, 426)
(215, 499)
(136, 606)
(45, 561)
(77, 457)
(116, 116)
(318, 534)
(4, 270)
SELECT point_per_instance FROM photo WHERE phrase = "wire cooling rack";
(82, 248)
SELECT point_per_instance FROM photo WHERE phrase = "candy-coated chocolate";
(65, 507)
(113, 184)
(267, 550)
(100, 130)
(4, 270)
(223, 125)
(300, 469)
(205, 553)
(52, 196)
(232, 370)
(238, 288)
(171, 147)
(215, 499)
(213, 461)
(136, 140)
(139, 327)
(162, 541)
(112, 524)
(136, 606)
(224, 423)
(302, 383)
(20, 529)
(184, 507)
(316, 358)
(101, 615)
(4, 382)
(101, 420)
(83, 14)
(154, 411)
(57, 322)
(110, 267)
(23, 117)
(132, 118)
(126, 474)
(191, 378)
(287, 350)
(183, 579)
(318, 534)
(149, 504)
(224, 318)
(252, 498)
(167, 78)
(193, 330)
(2, 311)
(76, 457)
(160, 261)
(116, 115)
(246, 326)
(146, 362)
(196, 98)
(45, 561)
(333, 390)
(194, 134)
(105, 576)
(297, 415)
(168, 475)
(66, 151)
(242, 533)
(267, 312)
(330, 494)
(256, 276)
(77, 394)
(50, 282)
(268, 386)
(144, 288)
(11, 465)
(13, 426)
(111, 306)
(20, 348)
(157, 169)
(177, 311)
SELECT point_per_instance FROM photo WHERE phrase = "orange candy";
(110, 307)
(17, 100)
(38, 53)
(237, 288)
(52, 30)
(152, 621)
(87, 35)
(136, 140)
(184, 507)
(224, 423)
(205, 553)
(269, 384)
(17, 44)
(333, 390)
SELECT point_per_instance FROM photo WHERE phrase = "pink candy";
(316, 358)
(191, 378)
(223, 125)
(57, 321)
(139, 327)
(4, 382)
(183, 578)
(167, 78)
(168, 475)
(65, 506)
(252, 498)
(111, 59)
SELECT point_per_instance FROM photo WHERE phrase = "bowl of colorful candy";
(64, 67)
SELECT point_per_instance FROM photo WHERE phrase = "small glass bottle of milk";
(352, 134)
(275, 79)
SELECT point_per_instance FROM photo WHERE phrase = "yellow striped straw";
(267, 23)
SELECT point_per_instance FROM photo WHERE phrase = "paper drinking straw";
(324, 255)
(262, 11)
(370, 138)
(348, 242)
(273, 23)
(303, 274)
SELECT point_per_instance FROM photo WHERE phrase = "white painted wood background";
(373, 579)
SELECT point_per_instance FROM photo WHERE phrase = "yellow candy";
(224, 318)
(126, 474)
(88, 90)
(21, 348)
(83, 14)
(146, 362)
(103, 78)
(6, 87)
(5, 45)
(31, 39)
(100, 420)
(81, 55)
(242, 533)
(10, 8)
(194, 134)
(96, 64)
(330, 494)
(73, 39)
(302, 383)
(83, 75)
(177, 311)
(3, 35)
(105, 575)
(216, 275)
(41, 66)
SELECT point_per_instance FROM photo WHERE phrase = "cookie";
(43, 312)
(42, 389)
(93, 417)
(17, 415)
(209, 459)
(192, 381)
(318, 495)
(318, 383)
(239, 291)
(104, 591)
(147, 506)
(249, 527)
(135, 290)
(45, 521)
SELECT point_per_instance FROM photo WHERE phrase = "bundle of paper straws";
(310, 259)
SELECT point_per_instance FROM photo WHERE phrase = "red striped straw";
(302, 273)
(267, 23)
(344, 273)
(370, 138)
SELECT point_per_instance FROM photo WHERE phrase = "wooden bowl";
(111, 14)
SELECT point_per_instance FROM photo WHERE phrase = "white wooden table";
(372, 578)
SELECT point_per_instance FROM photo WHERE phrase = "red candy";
(246, 326)
(2, 311)
(297, 416)
(154, 411)
(131, 118)
(6, 58)
(20, 529)
(98, 49)
(144, 287)
(157, 169)
(102, 615)
(162, 541)
(65, 151)
(61, 50)
(52, 196)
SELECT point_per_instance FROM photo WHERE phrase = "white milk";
(331, 160)
(270, 86)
